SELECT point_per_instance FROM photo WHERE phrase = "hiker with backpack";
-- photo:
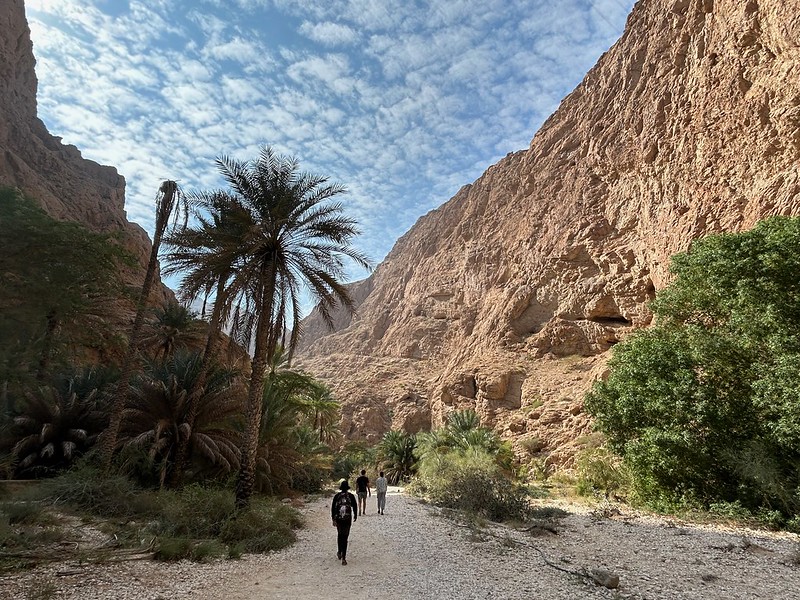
(344, 512)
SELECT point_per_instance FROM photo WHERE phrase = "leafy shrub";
(704, 407)
(173, 549)
(533, 445)
(264, 526)
(87, 488)
(600, 471)
(23, 512)
(472, 483)
(195, 511)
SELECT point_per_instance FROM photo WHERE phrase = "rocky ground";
(416, 551)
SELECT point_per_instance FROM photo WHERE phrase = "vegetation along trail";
(418, 551)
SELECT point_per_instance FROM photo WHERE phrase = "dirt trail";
(415, 551)
(310, 569)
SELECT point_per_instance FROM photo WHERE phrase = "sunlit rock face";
(508, 297)
(66, 185)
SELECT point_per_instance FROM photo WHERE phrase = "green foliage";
(195, 522)
(52, 426)
(463, 433)
(22, 512)
(396, 454)
(474, 483)
(600, 471)
(58, 281)
(194, 511)
(85, 488)
(467, 467)
(351, 459)
(262, 527)
(173, 327)
(290, 447)
(156, 418)
(704, 407)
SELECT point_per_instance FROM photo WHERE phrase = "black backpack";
(343, 509)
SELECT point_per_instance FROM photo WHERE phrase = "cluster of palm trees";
(250, 253)
(401, 454)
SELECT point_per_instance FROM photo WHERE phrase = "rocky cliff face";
(508, 297)
(68, 186)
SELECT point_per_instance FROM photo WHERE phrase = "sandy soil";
(416, 551)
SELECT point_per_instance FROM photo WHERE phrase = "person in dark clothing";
(344, 512)
(362, 489)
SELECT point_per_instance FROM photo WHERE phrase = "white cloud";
(415, 101)
(329, 34)
(236, 49)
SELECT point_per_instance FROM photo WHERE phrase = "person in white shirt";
(381, 485)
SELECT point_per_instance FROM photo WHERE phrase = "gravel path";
(415, 552)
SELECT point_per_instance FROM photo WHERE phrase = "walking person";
(363, 490)
(344, 513)
(381, 485)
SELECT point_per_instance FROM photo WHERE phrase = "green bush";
(86, 488)
(600, 471)
(196, 522)
(704, 407)
(26, 513)
(354, 457)
(195, 511)
(473, 483)
(264, 526)
(171, 549)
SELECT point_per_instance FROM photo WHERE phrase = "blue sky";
(402, 102)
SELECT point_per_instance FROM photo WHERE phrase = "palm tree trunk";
(245, 484)
(262, 356)
(212, 343)
(47, 345)
(108, 440)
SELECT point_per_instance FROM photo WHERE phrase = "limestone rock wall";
(508, 297)
(68, 186)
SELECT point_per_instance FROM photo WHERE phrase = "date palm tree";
(198, 253)
(397, 453)
(291, 237)
(171, 207)
(173, 327)
(324, 413)
(155, 416)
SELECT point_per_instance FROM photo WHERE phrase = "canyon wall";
(66, 185)
(508, 297)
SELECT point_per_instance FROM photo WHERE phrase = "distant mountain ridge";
(509, 296)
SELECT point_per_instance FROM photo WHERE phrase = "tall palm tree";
(323, 412)
(198, 253)
(171, 206)
(292, 238)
